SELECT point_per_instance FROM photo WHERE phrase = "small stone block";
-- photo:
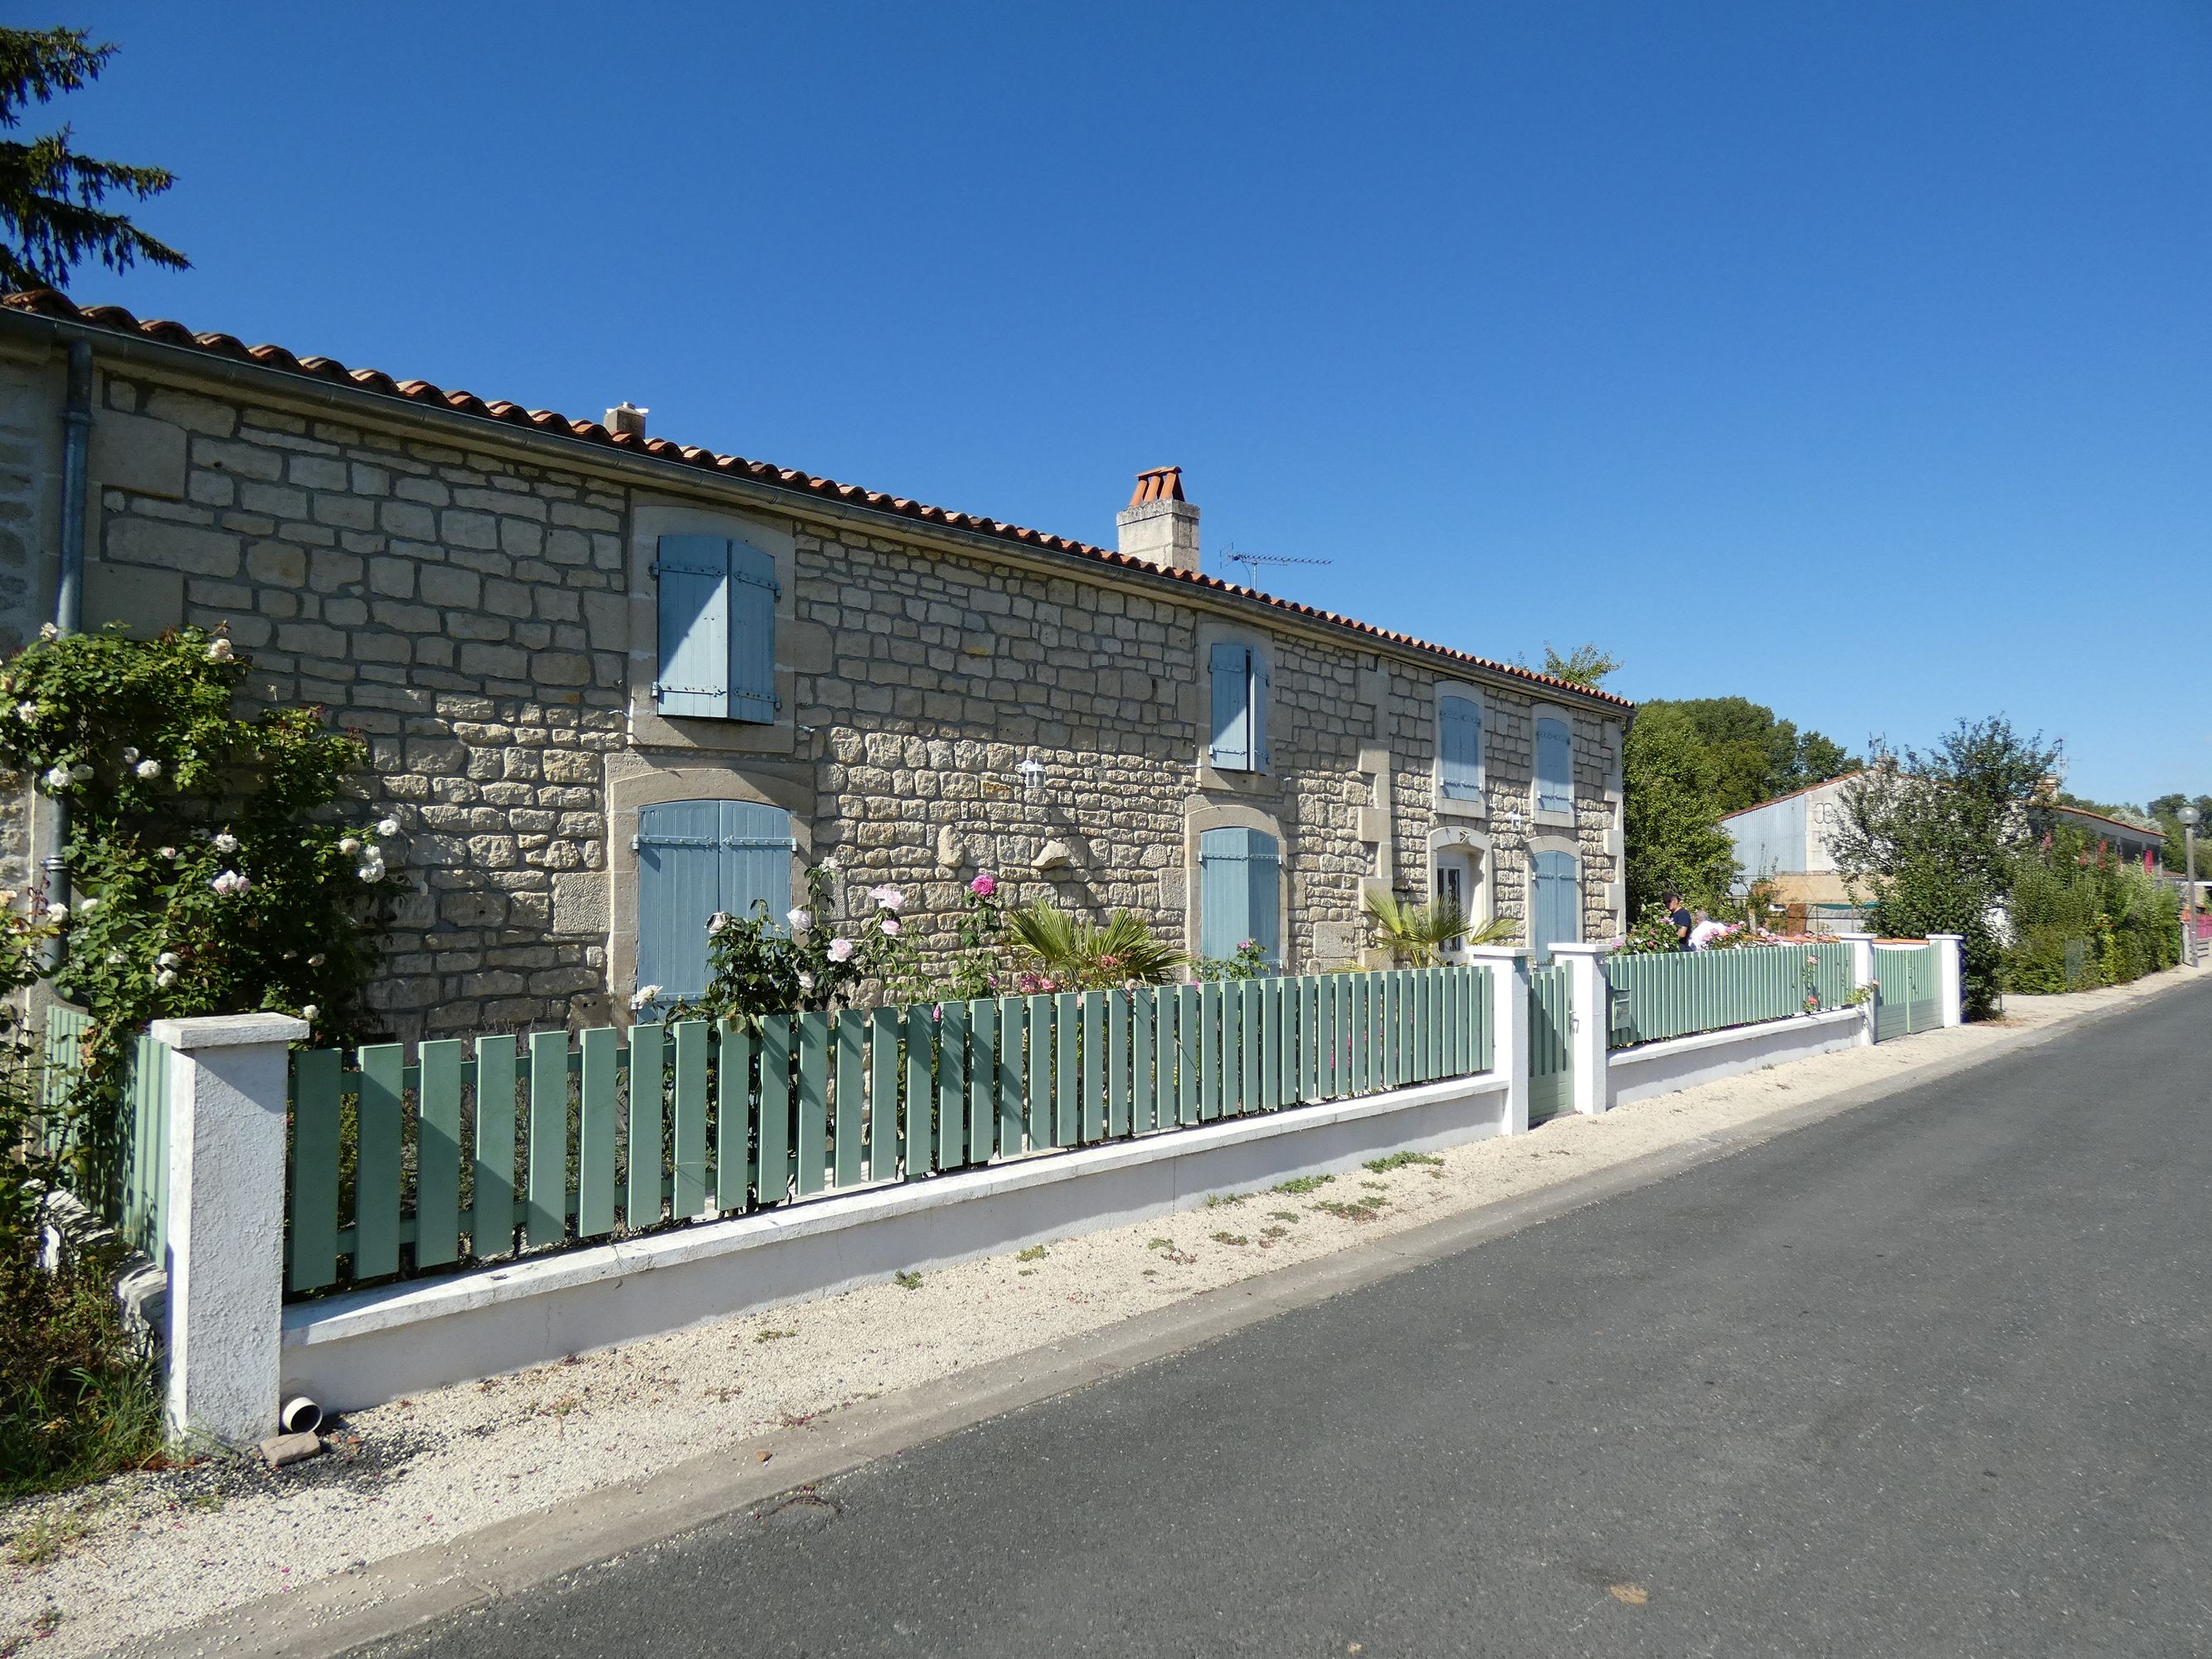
(278, 1450)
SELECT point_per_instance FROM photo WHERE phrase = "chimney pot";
(1159, 526)
(627, 417)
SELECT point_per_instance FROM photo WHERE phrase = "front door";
(1455, 871)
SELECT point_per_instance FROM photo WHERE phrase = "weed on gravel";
(1299, 1186)
(1405, 1161)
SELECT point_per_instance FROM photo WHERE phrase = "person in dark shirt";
(1680, 918)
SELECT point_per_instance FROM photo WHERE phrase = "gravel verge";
(89, 1572)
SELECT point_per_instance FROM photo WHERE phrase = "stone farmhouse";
(612, 683)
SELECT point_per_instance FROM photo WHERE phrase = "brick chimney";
(1158, 525)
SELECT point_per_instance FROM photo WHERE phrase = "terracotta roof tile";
(1166, 482)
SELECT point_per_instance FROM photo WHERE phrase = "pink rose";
(984, 885)
(890, 924)
(841, 949)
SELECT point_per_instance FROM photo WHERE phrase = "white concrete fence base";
(234, 1349)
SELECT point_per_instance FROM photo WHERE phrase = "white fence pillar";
(228, 1078)
(1862, 974)
(1509, 1025)
(1589, 1029)
(1950, 976)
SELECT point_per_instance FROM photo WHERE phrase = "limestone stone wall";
(473, 612)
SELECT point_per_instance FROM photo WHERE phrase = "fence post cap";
(1933, 937)
(1855, 938)
(1589, 948)
(1497, 952)
(228, 1030)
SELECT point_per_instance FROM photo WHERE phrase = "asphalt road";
(1930, 1377)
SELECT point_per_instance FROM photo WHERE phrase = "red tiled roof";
(45, 302)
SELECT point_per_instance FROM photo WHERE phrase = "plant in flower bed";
(216, 866)
(982, 927)
(1057, 952)
(757, 965)
(1652, 934)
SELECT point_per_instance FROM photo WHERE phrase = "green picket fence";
(125, 1179)
(471, 1152)
(1907, 1002)
(1674, 994)
(1551, 1076)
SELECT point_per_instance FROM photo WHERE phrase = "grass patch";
(1358, 1209)
(907, 1281)
(1230, 1239)
(1215, 1200)
(1400, 1161)
(46, 1539)
(78, 1401)
(1290, 1216)
(1035, 1253)
(1301, 1185)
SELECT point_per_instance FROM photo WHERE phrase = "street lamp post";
(2189, 815)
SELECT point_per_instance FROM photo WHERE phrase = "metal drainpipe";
(68, 602)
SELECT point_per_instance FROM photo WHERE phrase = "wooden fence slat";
(595, 1155)
(733, 1119)
(1010, 1076)
(1210, 1033)
(438, 1153)
(921, 1089)
(813, 1028)
(882, 1094)
(491, 1218)
(1039, 1095)
(850, 1107)
(647, 1144)
(1117, 1063)
(1066, 1036)
(951, 1085)
(772, 1181)
(545, 1211)
(983, 1079)
(1094, 1065)
(690, 1160)
(1143, 1072)
(316, 1117)
(378, 1162)
(1190, 1059)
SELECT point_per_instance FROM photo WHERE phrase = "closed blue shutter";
(694, 857)
(1555, 905)
(1259, 680)
(679, 881)
(1236, 892)
(753, 593)
(1555, 766)
(1460, 741)
(757, 849)
(692, 574)
(1232, 666)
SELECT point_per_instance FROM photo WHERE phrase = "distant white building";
(1785, 840)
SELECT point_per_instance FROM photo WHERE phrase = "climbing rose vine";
(222, 863)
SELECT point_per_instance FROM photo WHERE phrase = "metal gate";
(1906, 1001)
(1551, 1078)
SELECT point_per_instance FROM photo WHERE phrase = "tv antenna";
(1252, 562)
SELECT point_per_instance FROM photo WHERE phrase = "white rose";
(27, 711)
(57, 779)
(165, 978)
(48, 631)
(387, 827)
(57, 913)
(646, 993)
(80, 772)
(370, 871)
(309, 1013)
(220, 651)
(225, 842)
(317, 960)
(800, 920)
(149, 769)
(168, 959)
(806, 981)
(349, 845)
(85, 907)
(129, 756)
(716, 922)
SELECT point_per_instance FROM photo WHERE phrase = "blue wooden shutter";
(1460, 742)
(1555, 905)
(1260, 870)
(693, 576)
(1231, 667)
(1236, 892)
(755, 866)
(1555, 766)
(1257, 677)
(753, 591)
(679, 879)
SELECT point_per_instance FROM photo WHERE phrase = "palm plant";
(1081, 955)
(1419, 933)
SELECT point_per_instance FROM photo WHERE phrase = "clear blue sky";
(1853, 356)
